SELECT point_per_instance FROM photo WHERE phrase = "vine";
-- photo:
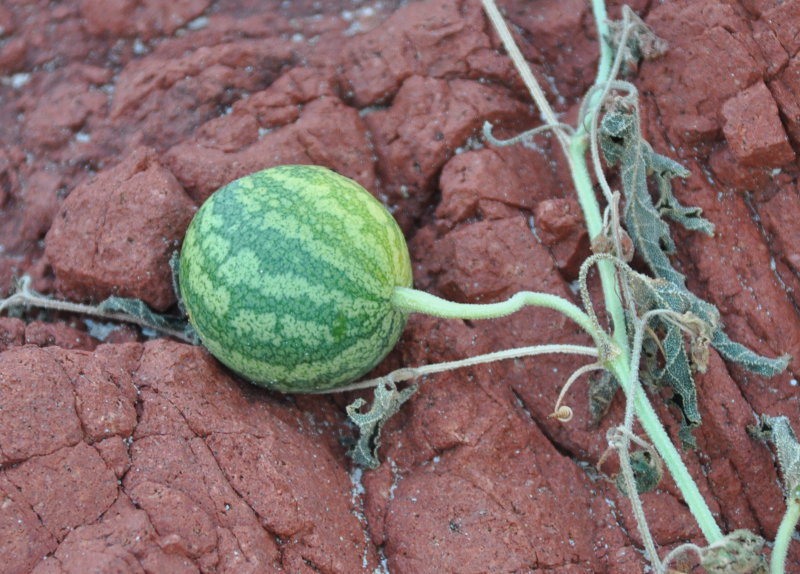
(639, 306)
(659, 332)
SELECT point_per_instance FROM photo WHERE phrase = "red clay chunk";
(115, 235)
(753, 129)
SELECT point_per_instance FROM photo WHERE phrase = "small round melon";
(287, 276)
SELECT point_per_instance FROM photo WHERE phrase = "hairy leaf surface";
(622, 144)
(778, 431)
(387, 401)
(129, 307)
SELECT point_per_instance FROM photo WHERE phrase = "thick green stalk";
(785, 532)
(594, 225)
(669, 454)
(576, 157)
(620, 365)
(606, 58)
(575, 149)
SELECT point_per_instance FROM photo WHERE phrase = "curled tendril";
(524, 136)
(562, 414)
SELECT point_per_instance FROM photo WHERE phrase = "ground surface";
(118, 118)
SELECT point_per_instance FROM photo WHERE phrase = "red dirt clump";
(130, 217)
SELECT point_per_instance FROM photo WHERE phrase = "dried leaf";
(660, 294)
(647, 472)
(622, 143)
(125, 309)
(753, 362)
(664, 170)
(701, 320)
(677, 375)
(738, 553)
(778, 431)
(602, 389)
(642, 43)
(386, 402)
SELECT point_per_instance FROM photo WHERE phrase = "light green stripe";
(370, 235)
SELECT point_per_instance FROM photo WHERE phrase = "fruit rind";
(287, 276)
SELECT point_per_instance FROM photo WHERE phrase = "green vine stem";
(621, 443)
(575, 149)
(408, 373)
(785, 531)
(415, 301)
(25, 296)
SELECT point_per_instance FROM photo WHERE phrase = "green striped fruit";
(287, 276)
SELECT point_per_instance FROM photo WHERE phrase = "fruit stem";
(415, 301)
